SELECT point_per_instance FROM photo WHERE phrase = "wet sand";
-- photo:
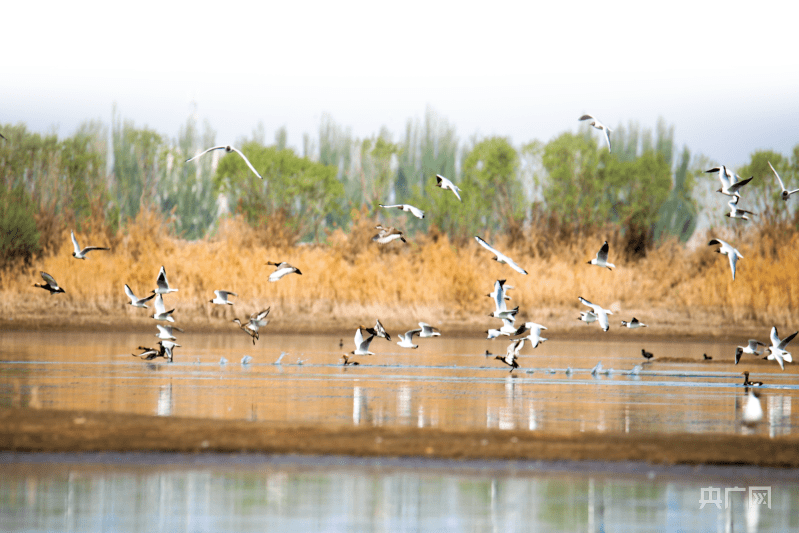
(33, 430)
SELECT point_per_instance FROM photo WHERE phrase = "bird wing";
(75, 243)
(487, 246)
(733, 188)
(784, 342)
(358, 337)
(90, 248)
(247, 161)
(738, 352)
(277, 274)
(775, 338)
(602, 254)
(409, 335)
(225, 294)
(607, 136)
(782, 185)
(733, 260)
(364, 346)
(511, 263)
(594, 307)
(160, 309)
(586, 117)
(147, 299)
(50, 280)
(203, 153)
(418, 213)
(161, 281)
(130, 294)
(261, 314)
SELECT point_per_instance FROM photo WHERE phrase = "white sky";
(725, 74)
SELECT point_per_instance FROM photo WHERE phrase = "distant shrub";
(19, 238)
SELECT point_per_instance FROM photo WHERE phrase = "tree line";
(101, 177)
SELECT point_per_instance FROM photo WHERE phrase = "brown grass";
(351, 280)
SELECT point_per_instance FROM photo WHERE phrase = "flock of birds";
(529, 332)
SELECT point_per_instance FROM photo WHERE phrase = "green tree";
(19, 237)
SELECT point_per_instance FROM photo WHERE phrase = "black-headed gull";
(227, 149)
(500, 257)
(361, 344)
(632, 324)
(387, 235)
(601, 258)
(165, 332)
(785, 192)
(406, 341)
(445, 184)
(729, 251)
(750, 349)
(221, 297)
(513, 353)
(534, 336)
(601, 127)
(135, 301)
(736, 212)
(162, 283)
(415, 211)
(282, 269)
(730, 183)
(601, 314)
(50, 284)
(80, 253)
(160, 310)
(778, 346)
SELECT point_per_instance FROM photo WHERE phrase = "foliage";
(19, 237)
(300, 190)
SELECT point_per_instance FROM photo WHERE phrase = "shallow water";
(151, 492)
(447, 382)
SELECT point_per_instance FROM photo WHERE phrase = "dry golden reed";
(351, 280)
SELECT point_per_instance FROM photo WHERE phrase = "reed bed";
(350, 280)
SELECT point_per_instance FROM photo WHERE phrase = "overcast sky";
(726, 75)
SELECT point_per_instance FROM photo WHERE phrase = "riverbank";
(31, 430)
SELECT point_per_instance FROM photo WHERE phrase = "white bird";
(160, 310)
(163, 284)
(730, 183)
(166, 349)
(601, 314)
(736, 212)
(505, 313)
(81, 253)
(601, 127)
(415, 211)
(778, 346)
(500, 257)
(753, 411)
(50, 284)
(361, 344)
(513, 353)
(165, 332)
(406, 341)
(134, 300)
(387, 235)
(282, 269)
(729, 251)
(444, 183)
(587, 316)
(751, 348)
(601, 258)
(785, 192)
(499, 294)
(428, 331)
(221, 297)
(507, 328)
(534, 336)
(632, 324)
(227, 149)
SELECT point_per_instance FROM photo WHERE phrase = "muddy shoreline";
(32, 430)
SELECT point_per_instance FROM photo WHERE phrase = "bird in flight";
(408, 208)
(81, 253)
(500, 257)
(228, 149)
(601, 127)
(785, 192)
(729, 251)
(444, 183)
(601, 258)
